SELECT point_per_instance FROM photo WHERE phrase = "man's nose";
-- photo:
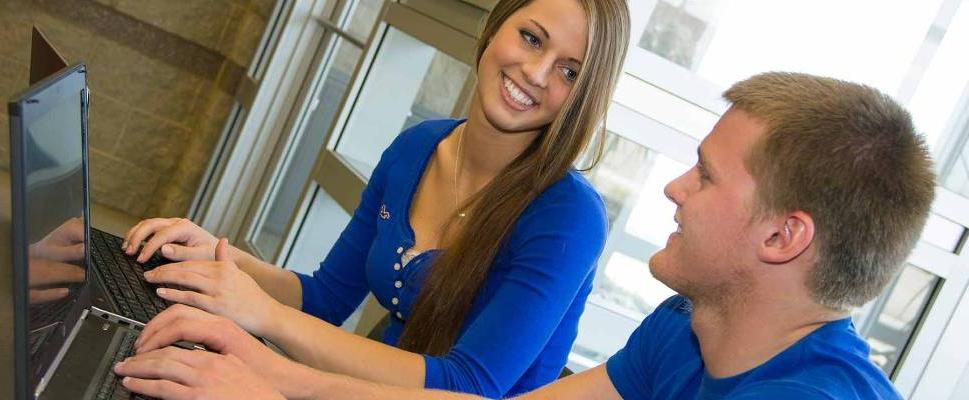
(676, 189)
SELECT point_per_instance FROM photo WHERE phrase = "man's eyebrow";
(549, 37)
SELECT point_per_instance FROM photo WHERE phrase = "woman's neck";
(485, 150)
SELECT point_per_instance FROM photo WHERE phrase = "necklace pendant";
(462, 215)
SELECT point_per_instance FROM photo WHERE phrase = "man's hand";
(174, 373)
(218, 334)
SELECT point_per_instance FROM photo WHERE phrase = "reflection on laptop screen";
(48, 184)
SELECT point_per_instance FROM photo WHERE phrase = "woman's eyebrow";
(549, 37)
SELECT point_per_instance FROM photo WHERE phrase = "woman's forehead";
(560, 22)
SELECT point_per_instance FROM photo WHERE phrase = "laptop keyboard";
(110, 387)
(125, 278)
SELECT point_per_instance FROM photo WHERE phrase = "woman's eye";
(570, 74)
(532, 40)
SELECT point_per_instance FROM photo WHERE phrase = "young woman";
(478, 235)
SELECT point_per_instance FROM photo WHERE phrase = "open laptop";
(125, 290)
(66, 336)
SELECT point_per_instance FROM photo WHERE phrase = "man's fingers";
(168, 316)
(192, 330)
(157, 388)
(164, 364)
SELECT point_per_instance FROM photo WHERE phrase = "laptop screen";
(48, 212)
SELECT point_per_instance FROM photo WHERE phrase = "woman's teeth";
(517, 94)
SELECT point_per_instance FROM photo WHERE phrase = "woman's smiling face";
(528, 69)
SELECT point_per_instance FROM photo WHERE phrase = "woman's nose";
(537, 71)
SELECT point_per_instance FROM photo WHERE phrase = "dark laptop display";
(48, 217)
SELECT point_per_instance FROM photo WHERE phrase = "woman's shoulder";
(571, 201)
(575, 189)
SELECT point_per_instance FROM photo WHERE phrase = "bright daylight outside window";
(685, 53)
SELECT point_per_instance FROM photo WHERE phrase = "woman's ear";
(786, 238)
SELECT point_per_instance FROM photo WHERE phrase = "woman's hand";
(174, 373)
(178, 238)
(218, 287)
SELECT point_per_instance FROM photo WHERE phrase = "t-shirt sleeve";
(551, 258)
(339, 285)
(632, 368)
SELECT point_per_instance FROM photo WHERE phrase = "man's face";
(715, 241)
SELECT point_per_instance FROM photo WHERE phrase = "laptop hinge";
(119, 319)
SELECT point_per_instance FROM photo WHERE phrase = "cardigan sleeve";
(338, 287)
(554, 249)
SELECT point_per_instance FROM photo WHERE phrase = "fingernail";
(124, 245)
(161, 291)
(117, 366)
(125, 381)
(167, 249)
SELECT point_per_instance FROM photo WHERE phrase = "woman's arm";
(282, 285)
(550, 265)
(323, 346)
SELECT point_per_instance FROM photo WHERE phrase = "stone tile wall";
(162, 75)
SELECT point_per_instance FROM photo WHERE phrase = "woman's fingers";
(141, 231)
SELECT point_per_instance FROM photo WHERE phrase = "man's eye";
(703, 173)
(532, 40)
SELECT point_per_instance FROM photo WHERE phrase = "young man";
(808, 195)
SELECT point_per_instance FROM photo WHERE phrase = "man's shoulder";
(832, 362)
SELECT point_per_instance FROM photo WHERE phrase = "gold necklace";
(457, 169)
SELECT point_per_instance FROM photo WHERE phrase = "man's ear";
(786, 238)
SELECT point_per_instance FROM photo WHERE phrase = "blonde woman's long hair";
(456, 277)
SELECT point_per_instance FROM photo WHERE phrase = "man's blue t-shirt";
(662, 360)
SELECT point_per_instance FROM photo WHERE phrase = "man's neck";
(738, 335)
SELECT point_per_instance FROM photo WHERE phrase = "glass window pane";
(943, 232)
(424, 84)
(724, 41)
(630, 179)
(318, 233)
(895, 315)
(335, 83)
(343, 58)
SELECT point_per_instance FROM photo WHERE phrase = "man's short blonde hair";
(849, 156)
